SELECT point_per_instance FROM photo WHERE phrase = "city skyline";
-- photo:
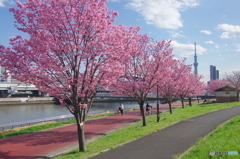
(214, 26)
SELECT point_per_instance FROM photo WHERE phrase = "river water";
(19, 113)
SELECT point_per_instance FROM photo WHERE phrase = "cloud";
(162, 13)
(209, 42)
(2, 3)
(176, 34)
(5, 1)
(231, 31)
(238, 47)
(206, 32)
(186, 50)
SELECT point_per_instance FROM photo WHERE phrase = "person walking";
(121, 107)
(148, 109)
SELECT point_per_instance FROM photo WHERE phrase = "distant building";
(214, 74)
(2, 71)
(9, 79)
(217, 76)
(195, 64)
(226, 94)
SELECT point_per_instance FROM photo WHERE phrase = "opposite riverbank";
(52, 100)
(26, 100)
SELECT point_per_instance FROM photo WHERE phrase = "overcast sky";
(213, 24)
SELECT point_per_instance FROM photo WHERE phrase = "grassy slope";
(224, 138)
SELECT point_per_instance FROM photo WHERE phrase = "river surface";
(19, 113)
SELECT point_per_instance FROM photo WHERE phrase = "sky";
(214, 25)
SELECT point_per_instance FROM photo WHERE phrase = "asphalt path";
(172, 140)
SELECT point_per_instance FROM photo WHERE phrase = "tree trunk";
(182, 100)
(238, 96)
(81, 136)
(143, 114)
(190, 101)
(170, 107)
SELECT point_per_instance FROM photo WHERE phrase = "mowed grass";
(225, 138)
(136, 131)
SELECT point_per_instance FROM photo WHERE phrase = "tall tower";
(195, 62)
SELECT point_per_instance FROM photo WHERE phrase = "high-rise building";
(217, 74)
(2, 71)
(195, 62)
(214, 74)
(9, 79)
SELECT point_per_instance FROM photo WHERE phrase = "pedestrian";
(148, 109)
(205, 100)
(121, 107)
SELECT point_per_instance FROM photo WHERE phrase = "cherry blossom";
(145, 67)
(71, 49)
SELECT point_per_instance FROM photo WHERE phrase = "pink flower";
(83, 106)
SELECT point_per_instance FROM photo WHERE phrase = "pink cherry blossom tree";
(197, 87)
(183, 87)
(216, 84)
(200, 88)
(145, 67)
(191, 85)
(175, 78)
(72, 49)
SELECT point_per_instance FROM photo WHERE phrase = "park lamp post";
(158, 112)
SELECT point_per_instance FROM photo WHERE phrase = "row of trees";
(73, 49)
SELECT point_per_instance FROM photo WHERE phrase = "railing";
(36, 121)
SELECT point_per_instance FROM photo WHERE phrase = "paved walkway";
(172, 140)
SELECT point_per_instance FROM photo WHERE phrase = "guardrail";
(36, 121)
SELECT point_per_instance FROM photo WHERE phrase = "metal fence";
(36, 121)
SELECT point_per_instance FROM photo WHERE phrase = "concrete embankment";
(27, 100)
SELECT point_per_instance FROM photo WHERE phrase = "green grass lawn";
(136, 131)
(225, 138)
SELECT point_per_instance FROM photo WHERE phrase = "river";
(19, 113)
